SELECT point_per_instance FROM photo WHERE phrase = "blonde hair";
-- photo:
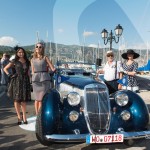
(42, 52)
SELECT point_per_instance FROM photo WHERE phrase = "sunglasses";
(110, 55)
(38, 46)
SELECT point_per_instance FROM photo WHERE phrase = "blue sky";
(65, 21)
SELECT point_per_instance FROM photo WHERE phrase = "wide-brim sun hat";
(130, 51)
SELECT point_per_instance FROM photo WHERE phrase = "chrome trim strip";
(66, 137)
(135, 135)
(82, 137)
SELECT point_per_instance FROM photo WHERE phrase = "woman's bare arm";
(32, 67)
(50, 64)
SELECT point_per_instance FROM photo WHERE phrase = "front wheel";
(39, 130)
(129, 142)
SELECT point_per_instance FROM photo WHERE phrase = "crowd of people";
(20, 72)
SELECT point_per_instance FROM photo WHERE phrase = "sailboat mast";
(37, 36)
(147, 52)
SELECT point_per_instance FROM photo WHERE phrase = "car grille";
(97, 108)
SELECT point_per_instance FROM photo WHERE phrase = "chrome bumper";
(136, 135)
(82, 137)
(66, 137)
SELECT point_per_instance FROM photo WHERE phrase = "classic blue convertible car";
(80, 109)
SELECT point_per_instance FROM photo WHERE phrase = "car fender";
(138, 110)
(140, 113)
(51, 108)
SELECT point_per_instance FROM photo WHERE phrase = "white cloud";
(135, 46)
(8, 41)
(60, 30)
(88, 33)
(93, 45)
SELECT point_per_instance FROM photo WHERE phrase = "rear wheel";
(39, 130)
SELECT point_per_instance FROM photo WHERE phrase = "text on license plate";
(107, 138)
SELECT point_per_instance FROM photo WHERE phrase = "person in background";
(19, 86)
(4, 62)
(40, 74)
(111, 72)
(0, 69)
(130, 68)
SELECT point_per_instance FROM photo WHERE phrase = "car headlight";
(73, 98)
(125, 115)
(73, 116)
(122, 99)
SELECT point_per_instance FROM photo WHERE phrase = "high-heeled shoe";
(19, 122)
(25, 122)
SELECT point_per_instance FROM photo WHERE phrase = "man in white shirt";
(111, 72)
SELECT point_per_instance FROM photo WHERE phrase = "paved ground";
(14, 138)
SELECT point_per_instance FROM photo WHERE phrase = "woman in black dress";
(19, 86)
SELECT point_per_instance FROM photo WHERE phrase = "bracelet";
(9, 75)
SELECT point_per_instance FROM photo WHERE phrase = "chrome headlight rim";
(122, 99)
(73, 98)
(73, 116)
(125, 115)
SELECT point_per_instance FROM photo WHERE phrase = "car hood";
(80, 81)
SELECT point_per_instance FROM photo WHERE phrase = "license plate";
(107, 138)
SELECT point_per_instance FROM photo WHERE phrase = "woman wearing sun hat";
(130, 68)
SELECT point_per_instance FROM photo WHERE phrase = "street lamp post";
(111, 37)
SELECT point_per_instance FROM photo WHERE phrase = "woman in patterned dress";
(130, 68)
(19, 86)
(40, 74)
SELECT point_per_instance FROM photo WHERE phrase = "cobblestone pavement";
(14, 138)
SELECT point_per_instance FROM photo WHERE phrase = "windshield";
(78, 67)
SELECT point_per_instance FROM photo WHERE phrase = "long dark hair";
(17, 48)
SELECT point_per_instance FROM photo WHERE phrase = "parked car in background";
(80, 109)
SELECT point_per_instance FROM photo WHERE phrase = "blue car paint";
(53, 110)
(80, 81)
(138, 110)
(140, 113)
(53, 113)
(69, 126)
